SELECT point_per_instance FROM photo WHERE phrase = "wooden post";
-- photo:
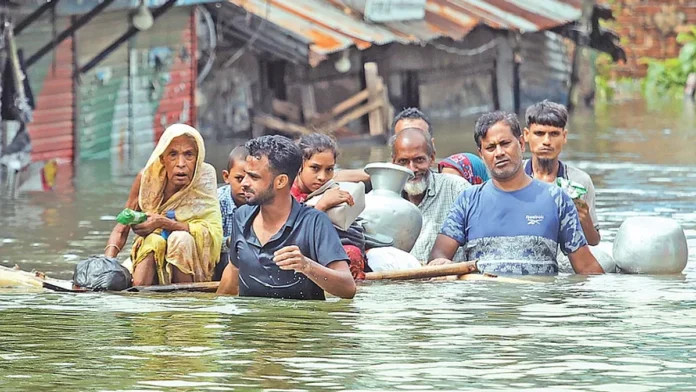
(387, 110)
(309, 105)
(505, 72)
(372, 82)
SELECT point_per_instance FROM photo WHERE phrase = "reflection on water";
(605, 333)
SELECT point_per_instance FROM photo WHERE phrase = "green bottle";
(130, 217)
(572, 188)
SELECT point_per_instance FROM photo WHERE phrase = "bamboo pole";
(287, 109)
(434, 271)
(276, 123)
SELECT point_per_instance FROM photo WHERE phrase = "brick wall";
(649, 28)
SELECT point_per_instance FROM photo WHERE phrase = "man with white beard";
(432, 192)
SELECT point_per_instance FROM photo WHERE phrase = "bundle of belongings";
(101, 273)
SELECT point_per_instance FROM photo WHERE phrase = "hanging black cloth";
(12, 107)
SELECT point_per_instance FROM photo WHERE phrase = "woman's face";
(179, 160)
(317, 170)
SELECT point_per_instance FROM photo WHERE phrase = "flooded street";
(603, 333)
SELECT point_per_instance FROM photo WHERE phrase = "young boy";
(230, 197)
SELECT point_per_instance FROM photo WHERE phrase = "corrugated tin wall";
(128, 100)
(103, 91)
(51, 82)
(163, 80)
(544, 70)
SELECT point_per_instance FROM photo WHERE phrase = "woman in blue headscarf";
(466, 165)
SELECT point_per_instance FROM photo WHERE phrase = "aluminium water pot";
(650, 245)
(386, 212)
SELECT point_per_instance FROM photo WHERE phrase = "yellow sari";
(194, 253)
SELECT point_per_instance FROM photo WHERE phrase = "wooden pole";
(203, 287)
(434, 271)
(387, 109)
(372, 82)
(309, 105)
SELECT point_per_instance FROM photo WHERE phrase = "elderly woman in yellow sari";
(178, 192)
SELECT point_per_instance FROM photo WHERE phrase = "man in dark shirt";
(280, 248)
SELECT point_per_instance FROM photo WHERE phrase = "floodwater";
(603, 333)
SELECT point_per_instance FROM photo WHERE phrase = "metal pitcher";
(386, 212)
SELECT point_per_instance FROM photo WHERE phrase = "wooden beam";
(278, 124)
(132, 31)
(34, 16)
(342, 107)
(355, 114)
(372, 82)
(79, 23)
(286, 109)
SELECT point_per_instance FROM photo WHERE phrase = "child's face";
(234, 178)
(317, 170)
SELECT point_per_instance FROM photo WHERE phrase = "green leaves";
(669, 76)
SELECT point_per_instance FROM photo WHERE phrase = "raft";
(17, 278)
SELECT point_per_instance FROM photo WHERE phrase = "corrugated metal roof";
(330, 25)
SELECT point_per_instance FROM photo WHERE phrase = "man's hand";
(591, 234)
(440, 261)
(290, 258)
(583, 211)
(153, 222)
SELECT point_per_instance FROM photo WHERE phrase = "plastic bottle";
(131, 217)
(170, 214)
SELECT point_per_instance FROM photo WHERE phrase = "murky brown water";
(605, 333)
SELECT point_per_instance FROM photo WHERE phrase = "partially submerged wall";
(649, 28)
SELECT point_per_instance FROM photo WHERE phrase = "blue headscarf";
(469, 166)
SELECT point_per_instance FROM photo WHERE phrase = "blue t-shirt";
(259, 276)
(515, 232)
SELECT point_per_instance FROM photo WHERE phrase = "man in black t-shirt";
(280, 248)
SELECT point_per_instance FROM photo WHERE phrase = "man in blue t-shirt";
(512, 224)
(279, 248)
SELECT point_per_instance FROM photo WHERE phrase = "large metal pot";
(650, 245)
(386, 212)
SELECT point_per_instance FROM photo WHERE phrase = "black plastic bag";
(101, 273)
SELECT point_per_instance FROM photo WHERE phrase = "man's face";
(411, 123)
(545, 141)
(412, 153)
(179, 160)
(502, 152)
(234, 177)
(258, 184)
